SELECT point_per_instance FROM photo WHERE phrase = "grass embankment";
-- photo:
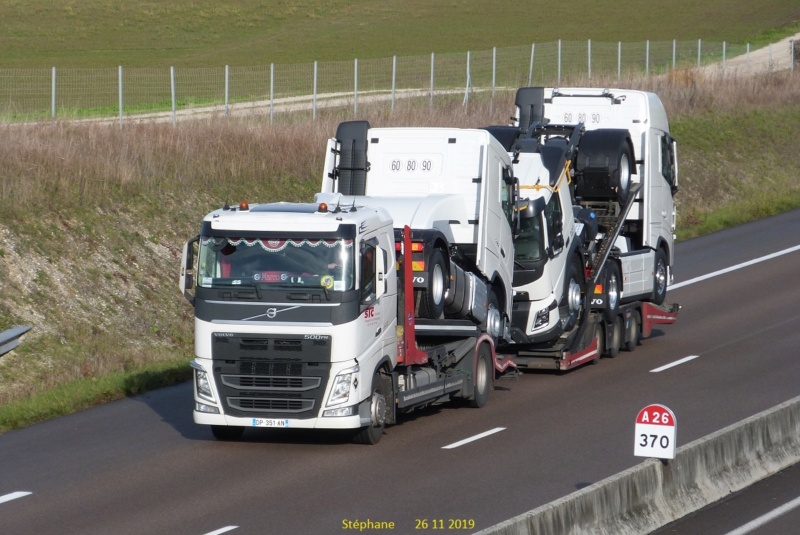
(199, 33)
(92, 219)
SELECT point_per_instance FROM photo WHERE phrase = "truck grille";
(271, 405)
(270, 382)
(274, 376)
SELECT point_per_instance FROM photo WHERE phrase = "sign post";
(655, 433)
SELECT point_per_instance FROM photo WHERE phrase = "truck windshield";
(528, 246)
(290, 262)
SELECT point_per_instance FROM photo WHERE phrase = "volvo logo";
(271, 313)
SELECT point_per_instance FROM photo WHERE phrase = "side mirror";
(186, 281)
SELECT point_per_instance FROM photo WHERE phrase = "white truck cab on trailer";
(597, 171)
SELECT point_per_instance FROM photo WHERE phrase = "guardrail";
(10, 339)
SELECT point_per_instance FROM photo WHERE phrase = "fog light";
(341, 411)
(202, 407)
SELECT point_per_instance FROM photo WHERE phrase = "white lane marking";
(474, 438)
(220, 531)
(14, 496)
(737, 266)
(763, 519)
(676, 363)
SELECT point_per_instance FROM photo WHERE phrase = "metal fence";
(44, 94)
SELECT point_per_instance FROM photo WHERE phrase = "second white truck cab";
(597, 171)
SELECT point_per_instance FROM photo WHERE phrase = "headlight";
(542, 317)
(202, 385)
(344, 383)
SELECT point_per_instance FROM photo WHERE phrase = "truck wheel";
(660, 277)
(600, 336)
(571, 303)
(372, 433)
(483, 377)
(615, 342)
(494, 317)
(612, 290)
(227, 432)
(432, 298)
(633, 331)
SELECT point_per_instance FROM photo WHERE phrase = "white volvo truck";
(346, 312)
(597, 170)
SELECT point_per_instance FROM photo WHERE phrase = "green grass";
(98, 33)
(84, 393)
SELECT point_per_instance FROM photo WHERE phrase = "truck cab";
(597, 171)
(294, 315)
(455, 189)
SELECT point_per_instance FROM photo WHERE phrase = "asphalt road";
(770, 507)
(141, 466)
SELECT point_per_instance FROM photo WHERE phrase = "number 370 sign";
(655, 433)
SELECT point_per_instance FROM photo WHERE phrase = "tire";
(604, 164)
(615, 342)
(494, 317)
(633, 331)
(623, 179)
(612, 291)
(432, 298)
(483, 377)
(600, 336)
(570, 306)
(372, 433)
(227, 432)
(659, 278)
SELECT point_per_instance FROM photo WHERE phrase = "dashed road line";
(676, 363)
(473, 438)
(14, 496)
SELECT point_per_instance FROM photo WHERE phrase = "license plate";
(268, 422)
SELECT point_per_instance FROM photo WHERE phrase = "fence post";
(647, 59)
(172, 91)
(466, 89)
(314, 94)
(589, 59)
(271, 91)
(53, 95)
(119, 79)
(674, 49)
(394, 79)
(748, 56)
(355, 87)
(619, 60)
(769, 48)
(227, 87)
(791, 55)
(559, 62)
(699, 48)
(494, 69)
(432, 57)
(530, 69)
(724, 65)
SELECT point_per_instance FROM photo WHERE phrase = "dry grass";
(92, 217)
